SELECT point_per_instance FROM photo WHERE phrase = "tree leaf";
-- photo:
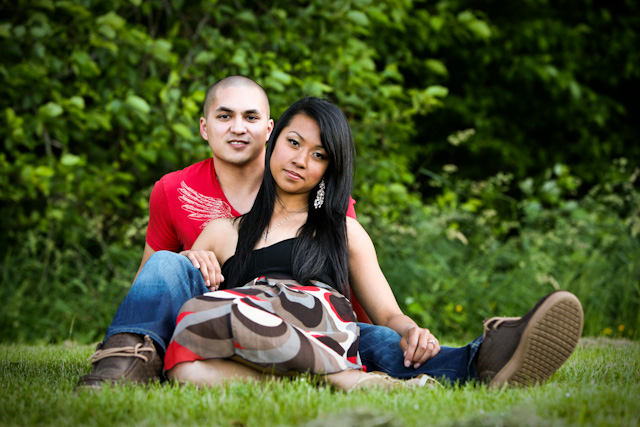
(50, 110)
(358, 18)
(437, 91)
(182, 130)
(69, 159)
(138, 104)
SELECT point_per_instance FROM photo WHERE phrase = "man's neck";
(240, 184)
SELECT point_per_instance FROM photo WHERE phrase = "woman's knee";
(185, 371)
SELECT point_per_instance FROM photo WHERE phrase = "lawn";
(599, 385)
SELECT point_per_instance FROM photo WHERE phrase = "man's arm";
(148, 251)
(160, 230)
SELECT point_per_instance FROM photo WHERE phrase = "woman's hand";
(418, 345)
(208, 265)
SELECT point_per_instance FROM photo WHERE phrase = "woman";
(296, 318)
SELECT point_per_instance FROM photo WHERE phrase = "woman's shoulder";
(353, 225)
(221, 225)
(355, 230)
(224, 223)
(218, 233)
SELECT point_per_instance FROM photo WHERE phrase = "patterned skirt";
(272, 325)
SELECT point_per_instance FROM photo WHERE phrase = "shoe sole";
(546, 343)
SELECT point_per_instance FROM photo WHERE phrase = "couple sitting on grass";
(280, 305)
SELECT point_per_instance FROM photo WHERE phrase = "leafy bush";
(100, 99)
(452, 266)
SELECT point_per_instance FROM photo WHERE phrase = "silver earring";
(317, 203)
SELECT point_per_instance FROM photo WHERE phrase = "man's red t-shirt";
(183, 202)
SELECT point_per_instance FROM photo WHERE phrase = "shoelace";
(121, 351)
(494, 322)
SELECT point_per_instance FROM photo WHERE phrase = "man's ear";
(203, 128)
(269, 128)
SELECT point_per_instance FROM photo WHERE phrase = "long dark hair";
(321, 246)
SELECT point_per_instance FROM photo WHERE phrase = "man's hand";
(208, 265)
(418, 345)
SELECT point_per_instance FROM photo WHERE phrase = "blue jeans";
(151, 307)
(380, 351)
(168, 280)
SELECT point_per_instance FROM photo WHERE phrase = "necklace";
(266, 232)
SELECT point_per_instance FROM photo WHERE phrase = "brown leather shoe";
(123, 358)
(528, 350)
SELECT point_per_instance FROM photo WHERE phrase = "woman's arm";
(375, 295)
(218, 237)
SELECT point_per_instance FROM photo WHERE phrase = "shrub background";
(497, 144)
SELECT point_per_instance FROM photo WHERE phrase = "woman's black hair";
(321, 246)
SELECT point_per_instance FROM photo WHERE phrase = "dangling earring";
(317, 203)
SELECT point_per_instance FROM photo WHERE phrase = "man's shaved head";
(232, 81)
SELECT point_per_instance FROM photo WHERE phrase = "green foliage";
(100, 99)
(456, 261)
(547, 84)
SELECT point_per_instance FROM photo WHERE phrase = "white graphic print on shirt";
(201, 207)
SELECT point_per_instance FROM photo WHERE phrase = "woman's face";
(299, 160)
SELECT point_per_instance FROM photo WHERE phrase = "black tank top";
(273, 261)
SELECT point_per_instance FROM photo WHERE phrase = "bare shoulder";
(356, 234)
(217, 235)
(220, 226)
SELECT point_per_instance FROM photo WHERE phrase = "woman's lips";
(292, 175)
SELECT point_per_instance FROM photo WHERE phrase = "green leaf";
(481, 29)
(182, 130)
(138, 104)
(436, 66)
(70, 159)
(10, 114)
(161, 50)
(246, 16)
(281, 77)
(112, 20)
(437, 91)
(107, 31)
(43, 171)
(436, 22)
(205, 57)
(466, 16)
(50, 110)
(84, 65)
(99, 120)
(358, 18)
(77, 101)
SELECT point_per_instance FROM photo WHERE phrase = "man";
(236, 123)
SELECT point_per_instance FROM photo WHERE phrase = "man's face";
(237, 125)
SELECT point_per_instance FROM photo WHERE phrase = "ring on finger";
(431, 342)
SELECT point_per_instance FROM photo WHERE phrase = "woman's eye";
(320, 156)
(294, 142)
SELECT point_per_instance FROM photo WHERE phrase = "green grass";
(599, 385)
